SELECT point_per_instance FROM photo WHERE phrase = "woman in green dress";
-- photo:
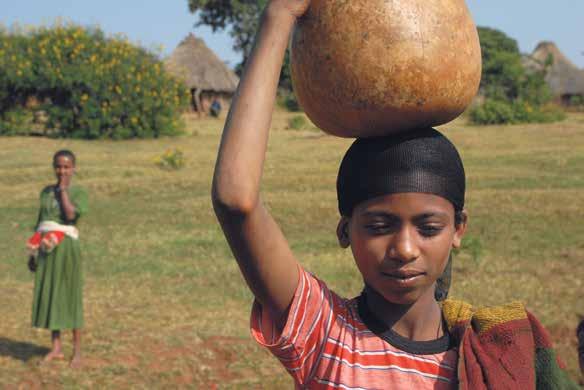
(58, 289)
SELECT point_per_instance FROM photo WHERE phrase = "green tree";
(513, 94)
(241, 18)
(502, 68)
(504, 77)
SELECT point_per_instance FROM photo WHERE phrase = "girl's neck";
(419, 321)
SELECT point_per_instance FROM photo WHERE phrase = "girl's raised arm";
(261, 250)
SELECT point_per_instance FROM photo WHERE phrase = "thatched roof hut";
(204, 73)
(564, 78)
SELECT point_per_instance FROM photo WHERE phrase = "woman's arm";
(260, 248)
(62, 194)
(67, 207)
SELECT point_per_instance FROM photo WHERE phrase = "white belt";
(51, 226)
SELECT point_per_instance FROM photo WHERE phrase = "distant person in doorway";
(56, 258)
(215, 109)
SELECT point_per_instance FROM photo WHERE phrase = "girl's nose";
(403, 247)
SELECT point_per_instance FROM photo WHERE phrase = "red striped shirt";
(326, 345)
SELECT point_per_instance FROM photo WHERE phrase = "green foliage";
(287, 99)
(86, 85)
(577, 101)
(504, 77)
(297, 122)
(171, 159)
(16, 121)
(496, 112)
(492, 112)
(512, 93)
(502, 67)
(243, 18)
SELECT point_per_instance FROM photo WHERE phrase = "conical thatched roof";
(195, 63)
(564, 78)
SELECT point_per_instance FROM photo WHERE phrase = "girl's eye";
(430, 230)
(379, 228)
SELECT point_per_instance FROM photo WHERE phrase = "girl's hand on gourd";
(296, 8)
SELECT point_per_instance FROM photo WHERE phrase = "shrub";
(492, 112)
(576, 101)
(17, 121)
(171, 159)
(297, 122)
(287, 100)
(496, 112)
(90, 86)
(291, 103)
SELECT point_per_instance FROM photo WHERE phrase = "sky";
(156, 23)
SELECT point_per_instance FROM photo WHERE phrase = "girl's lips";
(403, 278)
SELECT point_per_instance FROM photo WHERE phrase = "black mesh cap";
(418, 161)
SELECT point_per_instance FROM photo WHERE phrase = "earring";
(346, 231)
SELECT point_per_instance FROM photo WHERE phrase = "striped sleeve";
(300, 345)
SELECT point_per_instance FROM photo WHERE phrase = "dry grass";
(165, 304)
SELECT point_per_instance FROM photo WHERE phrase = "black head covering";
(418, 161)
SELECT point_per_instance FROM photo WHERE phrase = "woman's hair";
(64, 153)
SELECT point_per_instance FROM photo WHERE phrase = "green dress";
(58, 288)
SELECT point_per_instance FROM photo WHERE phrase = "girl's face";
(64, 168)
(401, 243)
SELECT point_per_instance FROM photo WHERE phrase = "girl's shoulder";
(78, 189)
(74, 188)
(47, 189)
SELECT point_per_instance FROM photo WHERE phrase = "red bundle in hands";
(48, 241)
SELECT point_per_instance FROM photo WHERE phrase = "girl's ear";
(460, 229)
(343, 233)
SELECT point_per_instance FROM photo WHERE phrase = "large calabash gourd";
(364, 68)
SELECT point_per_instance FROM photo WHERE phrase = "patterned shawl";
(503, 347)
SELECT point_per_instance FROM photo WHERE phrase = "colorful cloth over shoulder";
(503, 347)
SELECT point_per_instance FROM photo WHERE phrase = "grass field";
(165, 304)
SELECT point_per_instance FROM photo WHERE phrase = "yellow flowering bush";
(87, 85)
